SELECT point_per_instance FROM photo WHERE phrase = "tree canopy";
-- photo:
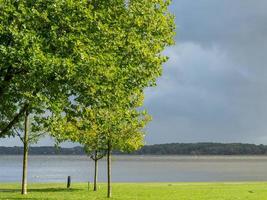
(40, 52)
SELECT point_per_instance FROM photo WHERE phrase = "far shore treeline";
(158, 149)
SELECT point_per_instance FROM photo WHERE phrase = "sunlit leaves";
(123, 58)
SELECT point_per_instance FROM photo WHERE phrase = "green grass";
(141, 191)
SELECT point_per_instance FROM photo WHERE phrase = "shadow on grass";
(40, 190)
(37, 190)
(25, 198)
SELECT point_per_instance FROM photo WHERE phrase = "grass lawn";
(141, 191)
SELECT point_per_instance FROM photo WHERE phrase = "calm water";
(137, 168)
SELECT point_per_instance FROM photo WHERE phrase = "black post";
(68, 182)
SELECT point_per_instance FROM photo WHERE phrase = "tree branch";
(98, 156)
(19, 135)
(33, 137)
(13, 121)
(101, 156)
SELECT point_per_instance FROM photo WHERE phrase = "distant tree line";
(46, 150)
(158, 149)
(203, 149)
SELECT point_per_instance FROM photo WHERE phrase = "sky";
(214, 86)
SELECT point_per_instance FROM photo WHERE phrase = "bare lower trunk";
(109, 169)
(96, 170)
(25, 154)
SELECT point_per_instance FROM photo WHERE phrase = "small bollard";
(88, 185)
(68, 182)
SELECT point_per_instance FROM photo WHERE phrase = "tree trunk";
(25, 154)
(109, 169)
(96, 170)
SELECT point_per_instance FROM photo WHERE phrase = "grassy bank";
(142, 191)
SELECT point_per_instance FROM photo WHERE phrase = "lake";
(138, 168)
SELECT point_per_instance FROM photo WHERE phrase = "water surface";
(138, 168)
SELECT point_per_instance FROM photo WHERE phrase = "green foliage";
(94, 127)
(41, 43)
(126, 42)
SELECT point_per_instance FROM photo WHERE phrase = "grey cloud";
(205, 96)
(239, 26)
(213, 88)
(211, 21)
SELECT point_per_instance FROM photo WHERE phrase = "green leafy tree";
(44, 48)
(124, 131)
(103, 130)
(134, 35)
(128, 39)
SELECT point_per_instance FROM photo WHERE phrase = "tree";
(134, 35)
(124, 132)
(127, 39)
(104, 129)
(44, 46)
(30, 135)
(96, 153)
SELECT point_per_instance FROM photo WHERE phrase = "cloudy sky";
(214, 86)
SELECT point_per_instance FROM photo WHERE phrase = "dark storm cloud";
(238, 26)
(214, 85)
